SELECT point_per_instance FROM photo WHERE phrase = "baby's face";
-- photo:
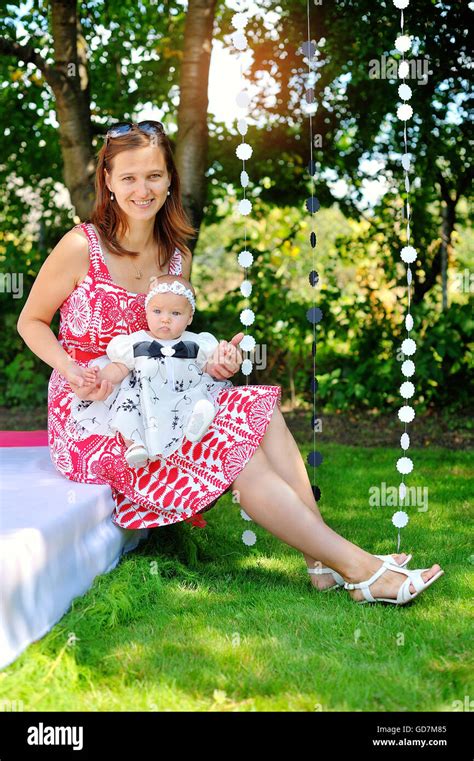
(168, 315)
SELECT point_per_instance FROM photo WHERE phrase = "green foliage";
(362, 296)
(357, 255)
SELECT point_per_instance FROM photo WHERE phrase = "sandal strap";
(324, 569)
(415, 578)
(404, 595)
(364, 585)
(135, 445)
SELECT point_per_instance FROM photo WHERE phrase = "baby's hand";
(93, 376)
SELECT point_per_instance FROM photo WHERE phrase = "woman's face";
(168, 315)
(139, 175)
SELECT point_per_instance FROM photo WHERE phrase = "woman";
(97, 276)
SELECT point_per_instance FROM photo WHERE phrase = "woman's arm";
(54, 282)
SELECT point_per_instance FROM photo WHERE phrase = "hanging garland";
(408, 254)
(314, 314)
(244, 207)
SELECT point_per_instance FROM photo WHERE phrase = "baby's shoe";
(202, 416)
(136, 455)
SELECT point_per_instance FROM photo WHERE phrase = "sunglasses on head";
(123, 128)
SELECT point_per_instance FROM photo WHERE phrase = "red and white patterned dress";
(195, 475)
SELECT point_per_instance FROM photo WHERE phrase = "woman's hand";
(226, 359)
(93, 393)
(85, 382)
(76, 374)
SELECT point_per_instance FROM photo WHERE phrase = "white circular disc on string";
(242, 99)
(407, 389)
(403, 69)
(404, 112)
(408, 254)
(409, 322)
(244, 515)
(249, 538)
(247, 316)
(408, 368)
(406, 413)
(246, 367)
(408, 346)
(244, 179)
(244, 151)
(244, 206)
(239, 20)
(406, 161)
(409, 276)
(401, 4)
(242, 126)
(403, 43)
(239, 40)
(404, 441)
(400, 519)
(404, 92)
(246, 288)
(248, 343)
(404, 465)
(407, 182)
(402, 492)
(245, 259)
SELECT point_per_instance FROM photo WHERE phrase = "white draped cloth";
(56, 536)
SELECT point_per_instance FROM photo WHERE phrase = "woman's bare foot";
(325, 580)
(388, 584)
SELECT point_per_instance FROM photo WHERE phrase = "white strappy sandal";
(404, 595)
(340, 581)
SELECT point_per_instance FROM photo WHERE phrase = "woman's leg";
(284, 456)
(272, 503)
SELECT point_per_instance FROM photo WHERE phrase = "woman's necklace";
(139, 274)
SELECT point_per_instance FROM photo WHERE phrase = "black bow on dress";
(182, 350)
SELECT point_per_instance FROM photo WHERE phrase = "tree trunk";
(192, 137)
(441, 257)
(73, 105)
(447, 227)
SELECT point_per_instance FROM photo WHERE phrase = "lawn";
(195, 620)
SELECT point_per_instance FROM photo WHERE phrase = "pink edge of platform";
(23, 438)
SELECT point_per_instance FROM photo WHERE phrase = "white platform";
(56, 536)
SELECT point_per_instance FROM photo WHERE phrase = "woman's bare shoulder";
(72, 250)
(78, 231)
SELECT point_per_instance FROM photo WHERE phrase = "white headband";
(174, 287)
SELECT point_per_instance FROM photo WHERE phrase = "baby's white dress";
(153, 404)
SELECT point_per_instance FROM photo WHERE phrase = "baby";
(169, 394)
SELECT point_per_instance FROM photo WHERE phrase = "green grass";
(196, 620)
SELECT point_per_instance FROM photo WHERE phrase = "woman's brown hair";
(172, 227)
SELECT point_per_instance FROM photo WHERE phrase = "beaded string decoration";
(408, 254)
(244, 207)
(314, 314)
